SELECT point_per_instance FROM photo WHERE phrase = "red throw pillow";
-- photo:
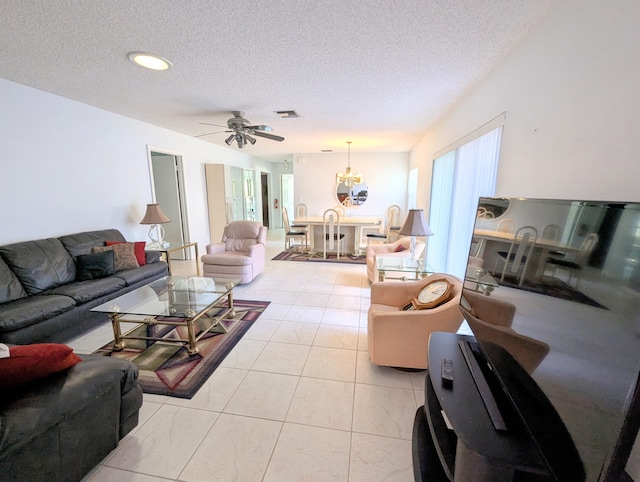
(28, 363)
(400, 248)
(138, 249)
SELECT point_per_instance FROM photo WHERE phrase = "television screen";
(569, 271)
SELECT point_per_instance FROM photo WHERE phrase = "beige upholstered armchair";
(240, 254)
(400, 338)
(399, 248)
(491, 319)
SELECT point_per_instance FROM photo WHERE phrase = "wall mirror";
(493, 208)
(352, 195)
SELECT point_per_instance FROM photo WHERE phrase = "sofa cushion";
(138, 249)
(125, 257)
(81, 243)
(40, 264)
(10, 287)
(228, 258)
(84, 291)
(133, 276)
(33, 309)
(95, 265)
(29, 363)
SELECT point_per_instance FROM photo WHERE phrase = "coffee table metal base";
(192, 324)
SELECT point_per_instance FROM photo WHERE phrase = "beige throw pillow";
(124, 254)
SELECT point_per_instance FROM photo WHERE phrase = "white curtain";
(460, 177)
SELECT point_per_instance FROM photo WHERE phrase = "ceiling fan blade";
(260, 127)
(211, 133)
(207, 124)
(268, 136)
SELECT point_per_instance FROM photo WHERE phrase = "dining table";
(541, 249)
(350, 226)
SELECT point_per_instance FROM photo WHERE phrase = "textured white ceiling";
(377, 72)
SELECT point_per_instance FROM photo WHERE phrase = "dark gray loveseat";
(40, 299)
(61, 427)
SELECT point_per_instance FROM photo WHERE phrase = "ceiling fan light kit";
(348, 179)
(242, 131)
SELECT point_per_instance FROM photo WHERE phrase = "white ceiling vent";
(287, 114)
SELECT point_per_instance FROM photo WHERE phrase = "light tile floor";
(297, 399)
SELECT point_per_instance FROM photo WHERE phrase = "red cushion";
(28, 363)
(138, 249)
(400, 248)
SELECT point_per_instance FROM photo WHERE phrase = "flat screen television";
(575, 285)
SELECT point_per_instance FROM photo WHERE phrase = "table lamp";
(156, 218)
(415, 225)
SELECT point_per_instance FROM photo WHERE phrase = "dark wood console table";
(472, 450)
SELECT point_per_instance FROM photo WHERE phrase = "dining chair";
(341, 210)
(291, 233)
(391, 227)
(505, 226)
(301, 210)
(517, 258)
(331, 236)
(575, 265)
(550, 231)
(228, 212)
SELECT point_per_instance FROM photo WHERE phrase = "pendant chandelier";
(348, 179)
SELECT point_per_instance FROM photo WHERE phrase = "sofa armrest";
(395, 294)
(151, 257)
(491, 310)
(215, 248)
(256, 251)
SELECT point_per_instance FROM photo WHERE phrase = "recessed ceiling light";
(149, 61)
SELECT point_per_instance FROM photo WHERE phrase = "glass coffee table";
(404, 268)
(197, 303)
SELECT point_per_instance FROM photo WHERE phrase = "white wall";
(384, 173)
(68, 167)
(572, 100)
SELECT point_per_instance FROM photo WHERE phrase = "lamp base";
(157, 245)
(156, 235)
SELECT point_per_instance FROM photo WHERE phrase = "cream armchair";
(400, 338)
(240, 255)
(491, 319)
(390, 249)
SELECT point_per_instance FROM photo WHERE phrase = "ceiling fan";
(242, 130)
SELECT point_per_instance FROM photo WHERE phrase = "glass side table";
(479, 280)
(167, 250)
(404, 268)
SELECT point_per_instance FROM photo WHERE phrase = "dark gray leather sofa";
(40, 299)
(60, 428)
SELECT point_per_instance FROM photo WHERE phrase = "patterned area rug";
(167, 369)
(551, 287)
(331, 258)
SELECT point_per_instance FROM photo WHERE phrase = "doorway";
(167, 189)
(264, 187)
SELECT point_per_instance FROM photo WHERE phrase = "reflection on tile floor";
(297, 398)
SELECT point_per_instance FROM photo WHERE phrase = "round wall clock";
(434, 294)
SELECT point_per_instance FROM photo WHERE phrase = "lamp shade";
(154, 215)
(415, 224)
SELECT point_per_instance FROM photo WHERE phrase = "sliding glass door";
(459, 178)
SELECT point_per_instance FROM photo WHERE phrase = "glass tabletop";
(403, 264)
(168, 246)
(175, 296)
(479, 280)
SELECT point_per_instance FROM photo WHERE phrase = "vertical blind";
(459, 178)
